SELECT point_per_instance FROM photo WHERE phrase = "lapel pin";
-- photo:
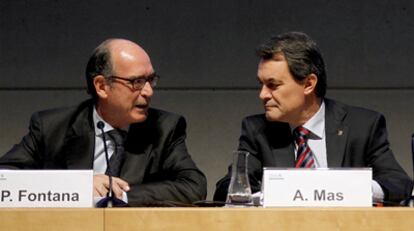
(339, 132)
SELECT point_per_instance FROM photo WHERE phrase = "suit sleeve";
(179, 179)
(25, 155)
(386, 170)
(246, 143)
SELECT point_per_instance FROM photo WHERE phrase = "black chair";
(410, 201)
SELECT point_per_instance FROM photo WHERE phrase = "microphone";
(109, 201)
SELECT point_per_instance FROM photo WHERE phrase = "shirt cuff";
(377, 192)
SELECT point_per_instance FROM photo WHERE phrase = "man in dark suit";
(301, 128)
(151, 162)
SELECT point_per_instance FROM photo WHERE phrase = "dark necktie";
(117, 158)
(304, 155)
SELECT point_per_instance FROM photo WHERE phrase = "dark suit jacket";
(355, 137)
(157, 165)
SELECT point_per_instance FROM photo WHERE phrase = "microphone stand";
(109, 199)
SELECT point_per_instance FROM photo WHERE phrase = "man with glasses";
(148, 155)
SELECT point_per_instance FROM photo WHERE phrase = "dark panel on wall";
(205, 44)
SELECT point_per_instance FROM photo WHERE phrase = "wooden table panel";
(42, 219)
(240, 219)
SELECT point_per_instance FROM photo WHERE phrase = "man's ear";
(101, 86)
(310, 84)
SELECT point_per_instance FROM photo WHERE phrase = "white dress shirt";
(99, 161)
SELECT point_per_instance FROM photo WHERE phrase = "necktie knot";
(118, 136)
(301, 133)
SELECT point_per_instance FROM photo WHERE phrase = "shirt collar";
(316, 124)
(107, 127)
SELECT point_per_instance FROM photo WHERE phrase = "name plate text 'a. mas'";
(317, 187)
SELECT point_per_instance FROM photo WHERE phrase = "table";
(206, 219)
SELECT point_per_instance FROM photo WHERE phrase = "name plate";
(46, 188)
(298, 187)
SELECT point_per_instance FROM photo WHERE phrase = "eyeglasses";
(139, 82)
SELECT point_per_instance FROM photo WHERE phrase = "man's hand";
(101, 186)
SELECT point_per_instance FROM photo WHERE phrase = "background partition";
(204, 51)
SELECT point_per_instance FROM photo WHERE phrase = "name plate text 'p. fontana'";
(46, 188)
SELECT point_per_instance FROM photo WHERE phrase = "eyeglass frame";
(151, 79)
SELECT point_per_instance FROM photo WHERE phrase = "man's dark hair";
(99, 64)
(302, 56)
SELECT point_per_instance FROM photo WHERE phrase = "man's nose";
(264, 93)
(147, 90)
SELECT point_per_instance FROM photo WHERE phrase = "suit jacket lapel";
(79, 143)
(134, 166)
(138, 148)
(281, 143)
(336, 133)
(284, 156)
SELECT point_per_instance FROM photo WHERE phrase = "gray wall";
(204, 51)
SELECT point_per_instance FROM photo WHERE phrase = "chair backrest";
(412, 151)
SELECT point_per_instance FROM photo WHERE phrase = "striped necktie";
(304, 155)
